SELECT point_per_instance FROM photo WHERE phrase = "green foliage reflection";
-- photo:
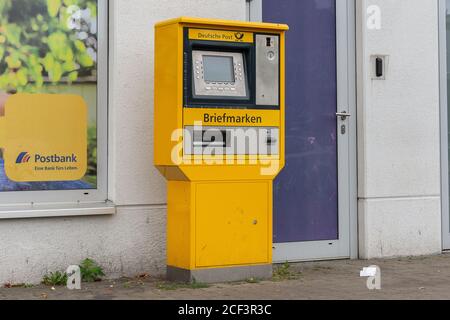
(46, 40)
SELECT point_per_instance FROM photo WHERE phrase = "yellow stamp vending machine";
(219, 141)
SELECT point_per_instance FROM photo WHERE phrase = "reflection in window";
(50, 47)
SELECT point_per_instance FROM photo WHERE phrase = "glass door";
(312, 195)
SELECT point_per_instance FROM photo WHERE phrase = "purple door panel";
(306, 193)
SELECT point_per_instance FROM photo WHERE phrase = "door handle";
(344, 115)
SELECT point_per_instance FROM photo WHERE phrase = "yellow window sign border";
(50, 130)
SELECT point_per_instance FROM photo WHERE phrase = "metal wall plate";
(267, 70)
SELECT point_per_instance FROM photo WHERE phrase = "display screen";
(218, 69)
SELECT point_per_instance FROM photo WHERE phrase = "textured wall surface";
(398, 131)
(400, 227)
(126, 244)
(133, 241)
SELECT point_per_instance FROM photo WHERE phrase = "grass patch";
(91, 271)
(57, 278)
(171, 286)
(284, 272)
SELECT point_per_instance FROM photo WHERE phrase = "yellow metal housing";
(219, 215)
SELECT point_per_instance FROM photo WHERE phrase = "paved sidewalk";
(406, 278)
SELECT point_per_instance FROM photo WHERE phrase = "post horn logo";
(239, 36)
(24, 157)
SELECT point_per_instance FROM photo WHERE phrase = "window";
(56, 48)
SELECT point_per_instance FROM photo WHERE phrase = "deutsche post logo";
(239, 36)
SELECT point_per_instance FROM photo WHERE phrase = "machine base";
(217, 275)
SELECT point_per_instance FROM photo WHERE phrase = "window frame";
(443, 97)
(100, 194)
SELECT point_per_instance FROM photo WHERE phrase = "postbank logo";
(220, 35)
(24, 157)
(46, 166)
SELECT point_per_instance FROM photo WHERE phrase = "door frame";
(347, 247)
(444, 125)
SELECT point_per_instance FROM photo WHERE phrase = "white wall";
(126, 244)
(133, 241)
(398, 131)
